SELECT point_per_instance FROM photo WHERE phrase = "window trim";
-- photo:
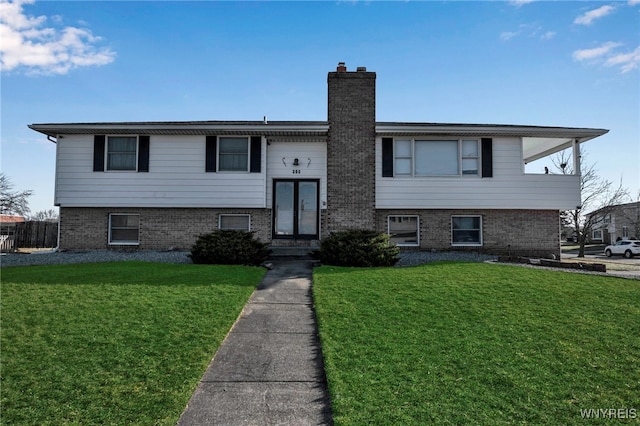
(459, 174)
(248, 216)
(125, 242)
(248, 146)
(478, 244)
(106, 153)
(417, 243)
(593, 234)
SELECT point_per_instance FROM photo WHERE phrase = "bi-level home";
(158, 185)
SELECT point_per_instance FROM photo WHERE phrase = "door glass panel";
(284, 208)
(307, 208)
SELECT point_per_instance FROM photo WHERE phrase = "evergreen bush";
(229, 248)
(358, 247)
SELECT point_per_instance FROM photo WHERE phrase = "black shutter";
(487, 157)
(98, 153)
(387, 157)
(143, 153)
(256, 154)
(210, 156)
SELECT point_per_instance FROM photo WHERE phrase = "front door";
(295, 207)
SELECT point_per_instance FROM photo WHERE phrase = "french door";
(295, 207)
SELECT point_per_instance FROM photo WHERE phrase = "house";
(157, 185)
(615, 223)
(8, 224)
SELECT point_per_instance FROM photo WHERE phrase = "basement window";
(404, 230)
(124, 229)
(235, 222)
(466, 230)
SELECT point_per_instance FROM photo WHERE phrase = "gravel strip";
(413, 258)
(408, 258)
(92, 256)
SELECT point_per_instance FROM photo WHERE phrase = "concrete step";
(299, 252)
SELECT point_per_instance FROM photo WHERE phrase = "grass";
(112, 343)
(456, 343)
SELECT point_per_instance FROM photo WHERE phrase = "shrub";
(229, 248)
(358, 247)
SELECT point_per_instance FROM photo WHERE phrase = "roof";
(7, 218)
(539, 141)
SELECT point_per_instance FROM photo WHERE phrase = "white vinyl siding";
(176, 178)
(235, 222)
(124, 229)
(312, 158)
(509, 188)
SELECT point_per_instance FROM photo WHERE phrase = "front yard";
(112, 343)
(456, 343)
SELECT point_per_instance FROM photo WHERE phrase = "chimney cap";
(341, 67)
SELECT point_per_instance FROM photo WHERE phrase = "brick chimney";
(351, 149)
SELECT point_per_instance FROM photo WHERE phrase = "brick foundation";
(160, 228)
(534, 233)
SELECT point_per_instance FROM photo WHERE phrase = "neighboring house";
(8, 231)
(158, 185)
(619, 222)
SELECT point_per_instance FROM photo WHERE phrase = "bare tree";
(11, 201)
(45, 216)
(597, 194)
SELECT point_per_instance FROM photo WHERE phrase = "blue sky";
(561, 63)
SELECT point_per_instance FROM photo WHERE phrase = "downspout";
(57, 247)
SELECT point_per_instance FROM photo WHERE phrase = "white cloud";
(519, 3)
(528, 30)
(508, 35)
(588, 17)
(596, 52)
(634, 2)
(605, 54)
(626, 61)
(26, 44)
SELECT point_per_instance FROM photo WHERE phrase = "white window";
(404, 230)
(124, 229)
(625, 232)
(596, 234)
(233, 154)
(466, 230)
(447, 157)
(607, 218)
(403, 157)
(239, 222)
(470, 157)
(122, 152)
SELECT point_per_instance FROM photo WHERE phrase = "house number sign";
(295, 171)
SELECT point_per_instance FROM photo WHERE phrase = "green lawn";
(481, 344)
(112, 343)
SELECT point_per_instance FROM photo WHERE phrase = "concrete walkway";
(268, 370)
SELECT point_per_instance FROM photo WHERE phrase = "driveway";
(616, 265)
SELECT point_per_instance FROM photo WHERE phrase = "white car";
(627, 248)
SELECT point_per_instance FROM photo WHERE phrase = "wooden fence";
(30, 235)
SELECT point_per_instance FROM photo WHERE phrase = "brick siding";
(534, 233)
(160, 228)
